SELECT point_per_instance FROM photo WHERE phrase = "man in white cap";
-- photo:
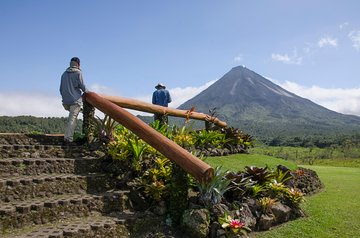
(161, 97)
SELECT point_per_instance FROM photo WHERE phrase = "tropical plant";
(156, 178)
(212, 192)
(182, 137)
(203, 138)
(294, 197)
(276, 189)
(237, 136)
(282, 176)
(155, 190)
(266, 203)
(240, 185)
(104, 128)
(136, 147)
(260, 175)
(118, 147)
(257, 190)
(233, 227)
(162, 128)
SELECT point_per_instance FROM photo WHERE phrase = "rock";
(265, 222)
(160, 208)
(214, 228)
(226, 151)
(281, 212)
(219, 209)
(195, 222)
(247, 216)
(221, 233)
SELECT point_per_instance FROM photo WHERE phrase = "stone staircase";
(53, 191)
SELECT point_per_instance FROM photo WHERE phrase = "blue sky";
(311, 48)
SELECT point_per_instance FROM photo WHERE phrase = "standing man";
(161, 97)
(71, 88)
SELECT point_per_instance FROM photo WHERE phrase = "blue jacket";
(72, 86)
(161, 97)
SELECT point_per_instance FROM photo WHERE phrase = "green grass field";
(334, 212)
(239, 161)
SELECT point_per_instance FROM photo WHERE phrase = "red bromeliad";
(236, 224)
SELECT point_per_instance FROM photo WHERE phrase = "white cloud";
(41, 104)
(343, 25)
(238, 58)
(327, 41)
(181, 95)
(101, 89)
(35, 104)
(286, 59)
(341, 100)
(355, 38)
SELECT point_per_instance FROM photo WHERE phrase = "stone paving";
(51, 190)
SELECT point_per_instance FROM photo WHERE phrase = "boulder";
(247, 216)
(265, 222)
(195, 222)
(281, 212)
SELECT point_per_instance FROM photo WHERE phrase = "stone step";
(20, 214)
(44, 151)
(94, 225)
(21, 188)
(31, 139)
(34, 166)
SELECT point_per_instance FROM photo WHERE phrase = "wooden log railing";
(191, 164)
(151, 108)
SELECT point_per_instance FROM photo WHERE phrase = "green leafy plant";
(282, 176)
(79, 137)
(233, 227)
(237, 136)
(211, 193)
(294, 197)
(136, 147)
(162, 128)
(260, 175)
(182, 137)
(204, 138)
(118, 147)
(266, 203)
(156, 178)
(257, 190)
(104, 128)
(276, 189)
(239, 185)
(155, 190)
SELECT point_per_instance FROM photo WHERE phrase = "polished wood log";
(151, 108)
(191, 164)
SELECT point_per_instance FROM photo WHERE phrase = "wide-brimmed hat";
(160, 85)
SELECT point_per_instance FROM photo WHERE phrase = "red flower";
(236, 224)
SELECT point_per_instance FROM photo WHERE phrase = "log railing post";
(156, 109)
(88, 125)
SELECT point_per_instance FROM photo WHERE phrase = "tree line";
(34, 125)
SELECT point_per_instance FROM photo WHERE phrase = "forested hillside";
(30, 124)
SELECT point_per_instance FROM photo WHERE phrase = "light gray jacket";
(72, 85)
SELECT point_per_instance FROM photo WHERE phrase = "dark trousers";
(162, 118)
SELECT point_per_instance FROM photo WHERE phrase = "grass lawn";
(239, 161)
(334, 212)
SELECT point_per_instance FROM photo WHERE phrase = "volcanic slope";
(256, 105)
